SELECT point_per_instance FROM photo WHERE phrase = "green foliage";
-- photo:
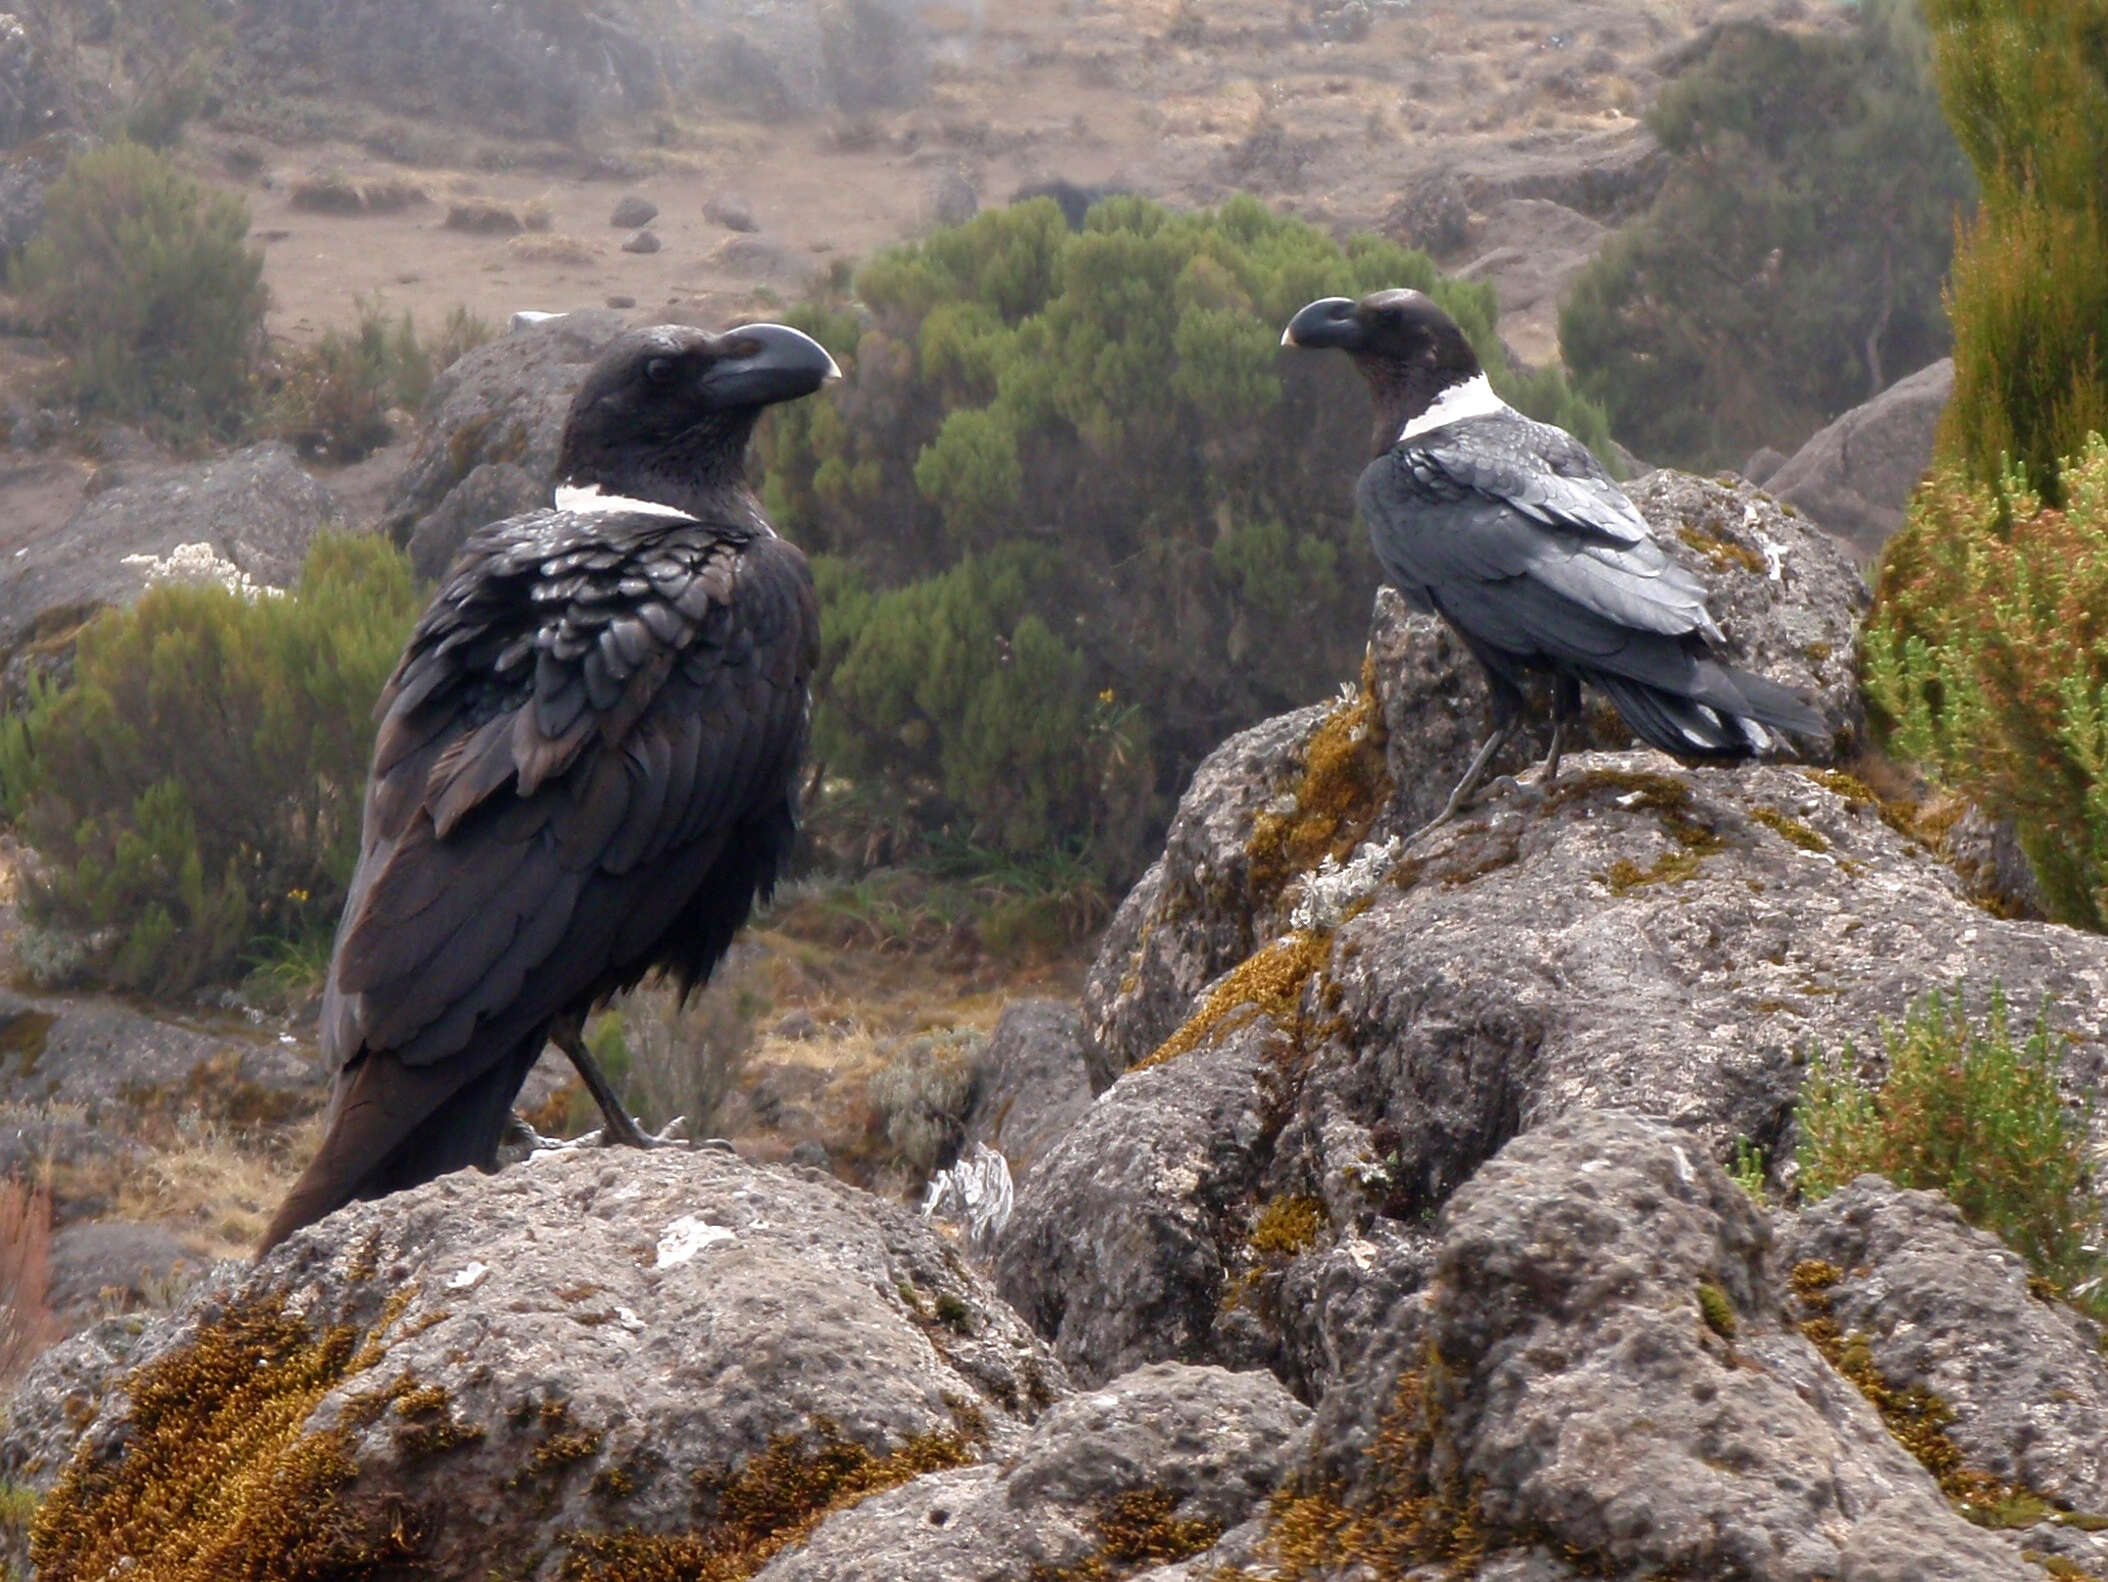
(198, 783)
(335, 398)
(141, 277)
(1961, 1109)
(1986, 660)
(1790, 266)
(2025, 83)
(1077, 517)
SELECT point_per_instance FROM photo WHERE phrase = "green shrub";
(1077, 517)
(1962, 1110)
(141, 277)
(2026, 85)
(1986, 660)
(336, 396)
(193, 794)
(1790, 265)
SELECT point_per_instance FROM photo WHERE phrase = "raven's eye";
(659, 371)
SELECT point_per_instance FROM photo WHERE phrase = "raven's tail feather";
(1725, 723)
(393, 1126)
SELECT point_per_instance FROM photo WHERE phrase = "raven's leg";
(1506, 704)
(567, 1034)
(1566, 710)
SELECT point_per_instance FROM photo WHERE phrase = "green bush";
(1790, 265)
(1985, 660)
(1962, 1110)
(193, 794)
(1077, 517)
(2026, 85)
(335, 398)
(141, 277)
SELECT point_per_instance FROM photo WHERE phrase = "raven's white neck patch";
(1473, 398)
(587, 500)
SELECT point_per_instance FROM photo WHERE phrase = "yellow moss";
(772, 1501)
(1721, 551)
(1790, 830)
(1345, 785)
(1287, 1226)
(1138, 1528)
(1717, 1310)
(1916, 1417)
(218, 1478)
(1268, 983)
(1669, 799)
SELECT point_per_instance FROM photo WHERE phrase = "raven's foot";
(1460, 798)
(672, 1135)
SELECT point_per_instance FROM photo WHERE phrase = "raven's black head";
(670, 408)
(1408, 349)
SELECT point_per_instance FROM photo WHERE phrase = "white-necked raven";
(1513, 533)
(585, 768)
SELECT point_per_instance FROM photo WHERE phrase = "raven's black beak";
(764, 363)
(1327, 322)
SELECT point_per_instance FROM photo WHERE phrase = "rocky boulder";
(487, 439)
(1856, 475)
(1530, 250)
(1285, 796)
(611, 1367)
(1032, 1081)
(245, 519)
(1156, 1464)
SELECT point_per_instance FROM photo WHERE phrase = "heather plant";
(1960, 1108)
(1986, 660)
(2025, 84)
(1790, 265)
(193, 793)
(1077, 517)
(141, 277)
(335, 398)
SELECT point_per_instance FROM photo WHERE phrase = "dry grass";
(332, 192)
(484, 215)
(27, 1324)
(220, 1189)
(553, 247)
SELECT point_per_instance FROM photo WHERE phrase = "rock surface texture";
(1394, 1246)
(1855, 475)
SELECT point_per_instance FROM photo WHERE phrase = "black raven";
(585, 767)
(1513, 533)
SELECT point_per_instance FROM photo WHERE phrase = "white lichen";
(1334, 886)
(686, 1237)
(976, 1193)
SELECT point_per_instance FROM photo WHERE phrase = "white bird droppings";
(686, 1237)
(469, 1277)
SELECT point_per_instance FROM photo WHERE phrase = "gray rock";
(1587, 1401)
(642, 242)
(632, 212)
(1117, 1250)
(1856, 475)
(1205, 1446)
(500, 407)
(731, 211)
(1608, 175)
(1033, 1082)
(255, 509)
(1432, 215)
(1947, 1309)
(597, 1347)
(99, 1266)
(758, 258)
(1762, 463)
(110, 1064)
(1205, 906)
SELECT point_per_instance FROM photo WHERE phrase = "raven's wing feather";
(610, 711)
(1503, 500)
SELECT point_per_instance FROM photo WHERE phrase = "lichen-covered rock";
(1156, 1464)
(1032, 1082)
(487, 439)
(1947, 1309)
(255, 510)
(591, 1363)
(1610, 1373)
(1273, 802)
